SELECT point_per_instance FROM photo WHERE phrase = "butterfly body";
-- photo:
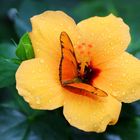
(72, 74)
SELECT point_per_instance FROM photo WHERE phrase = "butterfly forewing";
(68, 64)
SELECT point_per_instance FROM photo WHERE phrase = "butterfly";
(69, 69)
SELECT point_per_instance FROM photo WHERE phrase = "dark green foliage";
(17, 120)
(7, 64)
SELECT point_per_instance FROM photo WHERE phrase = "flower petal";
(46, 30)
(39, 84)
(91, 114)
(121, 78)
(106, 37)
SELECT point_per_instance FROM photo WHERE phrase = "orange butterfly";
(69, 69)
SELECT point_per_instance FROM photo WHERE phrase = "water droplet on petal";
(133, 91)
(79, 36)
(76, 118)
(41, 81)
(95, 125)
(124, 74)
(33, 71)
(42, 61)
(49, 101)
(92, 34)
(33, 87)
(70, 28)
(27, 100)
(115, 93)
(39, 70)
(109, 36)
(37, 50)
(111, 84)
(37, 100)
(110, 43)
(123, 93)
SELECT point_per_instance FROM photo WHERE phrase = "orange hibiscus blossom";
(99, 40)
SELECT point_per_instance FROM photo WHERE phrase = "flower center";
(87, 73)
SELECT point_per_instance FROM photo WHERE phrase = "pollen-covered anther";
(88, 52)
(79, 46)
(81, 52)
(90, 46)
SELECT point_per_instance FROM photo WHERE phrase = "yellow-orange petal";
(105, 37)
(38, 83)
(121, 78)
(91, 114)
(46, 30)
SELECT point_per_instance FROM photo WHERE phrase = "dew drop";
(76, 118)
(121, 43)
(92, 34)
(69, 27)
(55, 29)
(124, 74)
(79, 103)
(37, 100)
(37, 50)
(95, 125)
(110, 43)
(39, 70)
(50, 101)
(107, 52)
(33, 71)
(61, 24)
(133, 91)
(27, 100)
(111, 84)
(69, 119)
(41, 81)
(115, 93)
(109, 36)
(33, 87)
(79, 36)
(123, 93)
(42, 61)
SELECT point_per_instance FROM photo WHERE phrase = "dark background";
(17, 120)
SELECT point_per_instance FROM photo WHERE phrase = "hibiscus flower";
(100, 41)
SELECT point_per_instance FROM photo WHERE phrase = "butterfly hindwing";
(89, 88)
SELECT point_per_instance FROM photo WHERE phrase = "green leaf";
(7, 72)
(24, 50)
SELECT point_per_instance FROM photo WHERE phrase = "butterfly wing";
(68, 64)
(89, 88)
(68, 68)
